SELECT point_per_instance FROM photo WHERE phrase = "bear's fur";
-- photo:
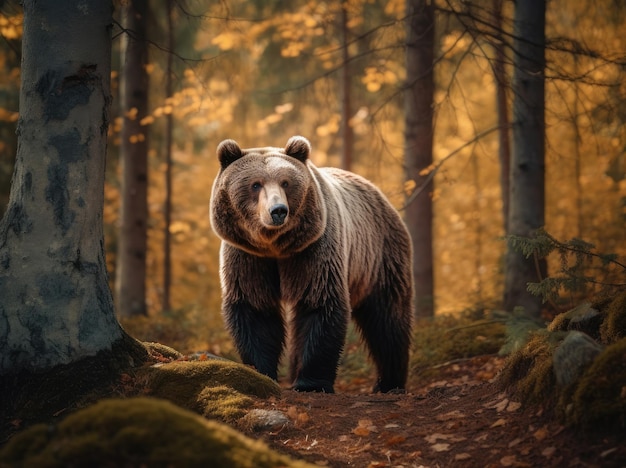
(306, 248)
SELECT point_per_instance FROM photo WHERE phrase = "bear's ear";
(298, 147)
(228, 152)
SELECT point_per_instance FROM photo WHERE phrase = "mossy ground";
(215, 388)
(449, 338)
(136, 432)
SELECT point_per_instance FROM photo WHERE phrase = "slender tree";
(169, 128)
(527, 191)
(502, 109)
(130, 271)
(418, 153)
(347, 133)
(56, 305)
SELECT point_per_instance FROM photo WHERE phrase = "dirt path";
(463, 420)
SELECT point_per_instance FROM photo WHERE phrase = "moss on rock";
(199, 385)
(223, 403)
(613, 328)
(593, 395)
(138, 432)
(163, 350)
(528, 372)
(600, 397)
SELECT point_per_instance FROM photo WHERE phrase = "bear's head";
(266, 201)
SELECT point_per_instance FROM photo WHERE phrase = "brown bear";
(305, 248)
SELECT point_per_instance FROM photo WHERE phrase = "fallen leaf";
(456, 414)
(540, 434)
(608, 452)
(441, 447)
(513, 406)
(376, 464)
(364, 428)
(499, 422)
(431, 439)
(501, 406)
(303, 418)
(394, 440)
(482, 437)
(508, 460)
(514, 442)
(462, 456)
(548, 452)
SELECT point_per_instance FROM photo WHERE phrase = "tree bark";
(130, 270)
(502, 109)
(169, 128)
(346, 104)
(56, 304)
(418, 152)
(527, 191)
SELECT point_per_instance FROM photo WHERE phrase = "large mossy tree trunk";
(418, 153)
(55, 303)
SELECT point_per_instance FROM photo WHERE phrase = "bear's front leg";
(319, 336)
(252, 309)
(258, 336)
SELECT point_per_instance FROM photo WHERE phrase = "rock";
(583, 318)
(260, 420)
(573, 356)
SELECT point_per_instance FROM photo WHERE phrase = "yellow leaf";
(147, 120)
(409, 186)
(224, 41)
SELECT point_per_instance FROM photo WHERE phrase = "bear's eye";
(284, 184)
(256, 186)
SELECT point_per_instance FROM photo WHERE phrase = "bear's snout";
(279, 212)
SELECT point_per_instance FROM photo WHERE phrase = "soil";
(462, 419)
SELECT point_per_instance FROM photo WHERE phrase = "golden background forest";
(260, 72)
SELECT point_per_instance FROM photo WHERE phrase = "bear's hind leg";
(385, 325)
(259, 336)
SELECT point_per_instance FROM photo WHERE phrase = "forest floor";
(461, 419)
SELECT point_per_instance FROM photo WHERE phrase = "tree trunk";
(418, 153)
(527, 196)
(502, 109)
(130, 270)
(169, 127)
(346, 105)
(56, 305)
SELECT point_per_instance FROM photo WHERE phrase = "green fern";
(581, 267)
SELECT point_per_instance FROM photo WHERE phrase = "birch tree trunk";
(527, 191)
(55, 303)
(418, 153)
(130, 271)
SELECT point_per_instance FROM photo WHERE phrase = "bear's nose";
(279, 213)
